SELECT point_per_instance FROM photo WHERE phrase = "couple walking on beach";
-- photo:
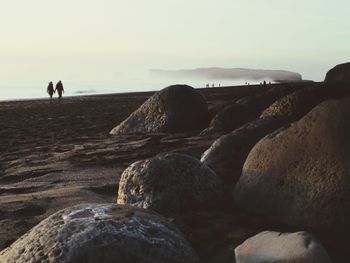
(59, 89)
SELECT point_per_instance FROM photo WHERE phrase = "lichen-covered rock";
(177, 108)
(301, 175)
(227, 154)
(278, 247)
(169, 183)
(340, 73)
(101, 233)
(230, 118)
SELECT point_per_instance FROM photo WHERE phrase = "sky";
(96, 44)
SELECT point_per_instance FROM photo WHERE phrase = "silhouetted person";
(59, 89)
(264, 83)
(50, 90)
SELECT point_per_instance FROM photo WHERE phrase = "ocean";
(38, 90)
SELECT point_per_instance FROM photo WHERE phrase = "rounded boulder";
(169, 183)
(177, 108)
(101, 233)
(340, 73)
(278, 247)
(300, 175)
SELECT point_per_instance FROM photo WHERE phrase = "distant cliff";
(228, 73)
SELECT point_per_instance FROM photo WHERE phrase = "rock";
(230, 118)
(296, 104)
(300, 174)
(177, 108)
(278, 247)
(169, 183)
(227, 154)
(101, 233)
(258, 103)
(340, 73)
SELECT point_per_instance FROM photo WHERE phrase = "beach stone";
(300, 175)
(227, 154)
(177, 108)
(340, 73)
(230, 118)
(169, 183)
(296, 104)
(101, 233)
(276, 247)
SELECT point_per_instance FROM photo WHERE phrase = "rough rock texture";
(101, 233)
(263, 100)
(169, 183)
(230, 118)
(177, 108)
(301, 175)
(227, 154)
(340, 73)
(278, 247)
(297, 104)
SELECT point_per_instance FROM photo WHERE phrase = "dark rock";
(177, 108)
(227, 154)
(101, 233)
(230, 118)
(169, 183)
(340, 73)
(297, 104)
(300, 174)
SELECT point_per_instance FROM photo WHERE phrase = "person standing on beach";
(50, 90)
(59, 89)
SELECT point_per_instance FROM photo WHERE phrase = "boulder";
(177, 108)
(227, 154)
(300, 175)
(340, 73)
(295, 105)
(230, 118)
(169, 183)
(101, 233)
(278, 247)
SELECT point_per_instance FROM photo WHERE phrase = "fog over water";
(103, 46)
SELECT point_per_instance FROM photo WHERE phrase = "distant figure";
(264, 83)
(213, 85)
(50, 90)
(207, 86)
(59, 89)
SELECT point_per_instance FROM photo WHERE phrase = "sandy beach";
(55, 156)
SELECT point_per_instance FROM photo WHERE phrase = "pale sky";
(102, 41)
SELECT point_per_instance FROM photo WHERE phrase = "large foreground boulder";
(101, 233)
(340, 73)
(278, 247)
(301, 175)
(169, 183)
(227, 154)
(177, 108)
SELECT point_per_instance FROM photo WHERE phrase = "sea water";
(38, 90)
